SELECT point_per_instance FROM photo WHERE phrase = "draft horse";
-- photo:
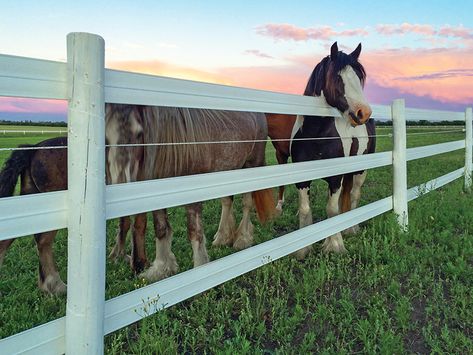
(339, 79)
(185, 125)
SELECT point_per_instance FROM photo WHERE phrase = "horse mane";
(180, 125)
(317, 79)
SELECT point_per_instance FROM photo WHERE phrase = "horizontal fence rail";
(35, 78)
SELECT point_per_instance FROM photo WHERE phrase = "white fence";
(84, 208)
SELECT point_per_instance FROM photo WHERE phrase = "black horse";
(339, 78)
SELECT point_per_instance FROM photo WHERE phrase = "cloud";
(446, 31)
(23, 105)
(285, 31)
(258, 53)
(442, 74)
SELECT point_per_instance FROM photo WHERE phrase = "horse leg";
(305, 218)
(244, 233)
(49, 279)
(226, 228)
(165, 264)
(335, 242)
(195, 233)
(282, 159)
(118, 250)
(138, 251)
(4, 245)
(355, 194)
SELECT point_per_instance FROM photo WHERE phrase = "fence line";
(88, 202)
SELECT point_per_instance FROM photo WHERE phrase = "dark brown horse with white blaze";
(339, 78)
(182, 125)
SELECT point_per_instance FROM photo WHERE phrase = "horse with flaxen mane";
(190, 126)
(339, 79)
(45, 170)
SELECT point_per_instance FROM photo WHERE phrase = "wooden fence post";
(399, 163)
(468, 148)
(86, 195)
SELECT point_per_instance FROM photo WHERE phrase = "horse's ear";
(356, 53)
(334, 51)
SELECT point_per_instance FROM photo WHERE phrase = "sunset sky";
(422, 51)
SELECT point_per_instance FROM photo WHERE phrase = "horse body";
(198, 129)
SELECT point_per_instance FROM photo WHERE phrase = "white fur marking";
(297, 126)
(345, 129)
(353, 89)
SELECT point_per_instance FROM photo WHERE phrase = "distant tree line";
(423, 123)
(34, 123)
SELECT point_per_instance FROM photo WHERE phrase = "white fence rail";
(87, 310)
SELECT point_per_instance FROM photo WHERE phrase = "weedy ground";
(392, 292)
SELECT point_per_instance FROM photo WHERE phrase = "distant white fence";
(84, 208)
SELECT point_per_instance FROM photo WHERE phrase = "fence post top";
(84, 35)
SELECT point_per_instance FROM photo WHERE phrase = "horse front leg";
(195, 233)
(244, 233)
(4, 245)
(334, 243)
(355, 194)
(49, 279)
(138, 259)
(305, 217)
(282, 159)
(165, 263)
(226, 228)
(118, 251)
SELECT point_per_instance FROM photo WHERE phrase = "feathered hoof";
(53, 285)
(222, 239)
(242, 243)
(118, 254)
(302, 253)
(352, 230)
(333, 247)
(160, 269)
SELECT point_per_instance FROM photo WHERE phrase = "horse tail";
(264, 204)
(347, 185)
(19, 161)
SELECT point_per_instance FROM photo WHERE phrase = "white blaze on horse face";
(354, 95)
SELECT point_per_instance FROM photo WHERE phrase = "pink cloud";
(258, 53)
(285, 31)
(425, 30)
(404, 28)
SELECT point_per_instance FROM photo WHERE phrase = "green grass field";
(391, 293)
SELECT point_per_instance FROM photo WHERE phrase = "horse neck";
(318, 126)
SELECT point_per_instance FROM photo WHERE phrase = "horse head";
(340, 78)
(124, 134)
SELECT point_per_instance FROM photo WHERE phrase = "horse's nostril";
(359, 114)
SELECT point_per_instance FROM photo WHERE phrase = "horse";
(169, 128)
(339, 79)
(45, 170)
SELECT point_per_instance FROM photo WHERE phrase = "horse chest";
(354, 139)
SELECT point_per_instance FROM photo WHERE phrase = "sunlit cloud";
(285, 31)
(425, 30)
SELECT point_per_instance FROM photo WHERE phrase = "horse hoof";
(160, 270)
(118, 253)
(221, 239)
(53, 285)
(242, 243)
(302, 253)
(334, 248)
(352, 230)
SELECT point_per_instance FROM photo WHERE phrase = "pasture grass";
(392, 292)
